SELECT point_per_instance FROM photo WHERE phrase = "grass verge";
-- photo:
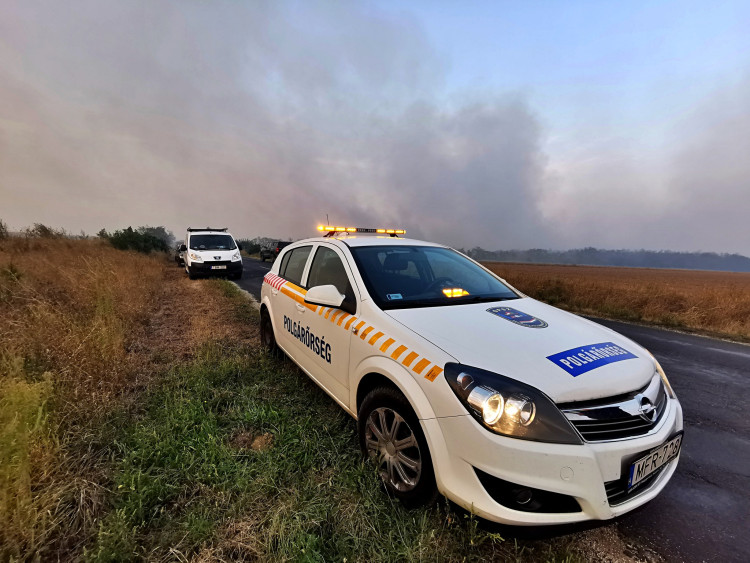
(238, 456)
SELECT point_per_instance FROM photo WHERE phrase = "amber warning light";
(331, 230)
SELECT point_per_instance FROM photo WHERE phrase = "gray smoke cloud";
(691, 194)
(266, 116)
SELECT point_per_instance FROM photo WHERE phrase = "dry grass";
(83, 329)
(69, 310)
(711, 302)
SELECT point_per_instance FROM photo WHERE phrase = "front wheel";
(391, 436)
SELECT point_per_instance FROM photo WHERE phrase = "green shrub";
(40, 230)
(130, 239)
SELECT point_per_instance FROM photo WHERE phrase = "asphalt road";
(704, 512)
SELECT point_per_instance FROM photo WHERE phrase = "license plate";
(218, 267)
(654, 460)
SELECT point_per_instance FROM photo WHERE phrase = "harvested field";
(716, 303)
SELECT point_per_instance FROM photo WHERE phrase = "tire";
(236, 276)
(191, 275)
(403, 459)
(267, 337)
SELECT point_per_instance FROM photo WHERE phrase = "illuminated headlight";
(196, 257)
(236, 257)
(509, 407)
(520, 409)
(487, 403)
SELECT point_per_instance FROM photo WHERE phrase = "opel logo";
(646, 409)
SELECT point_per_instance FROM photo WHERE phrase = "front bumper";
(208, 268)
(460, 446)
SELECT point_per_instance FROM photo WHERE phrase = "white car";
(211, 252)
(520, 412)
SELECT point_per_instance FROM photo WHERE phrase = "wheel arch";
(379, 372)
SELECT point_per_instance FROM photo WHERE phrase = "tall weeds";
(69, 310)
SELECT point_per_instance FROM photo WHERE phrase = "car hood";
(215, 255)
(478, 337)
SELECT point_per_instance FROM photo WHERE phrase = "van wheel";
(191, 275)
(267, 338)
(391, 436)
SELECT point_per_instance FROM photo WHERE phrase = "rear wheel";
(391, 436)
(267, 338)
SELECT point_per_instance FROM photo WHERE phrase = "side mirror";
(326, 295)
(183, 248)
(239, 247)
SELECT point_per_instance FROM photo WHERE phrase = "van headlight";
(236, 257)
(196, 257)
(508, 407)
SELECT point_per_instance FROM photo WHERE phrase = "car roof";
(356, 241)
(190, 233)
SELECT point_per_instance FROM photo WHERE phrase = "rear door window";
(293, 264)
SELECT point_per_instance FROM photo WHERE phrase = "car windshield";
(212, 242)
(399, 277)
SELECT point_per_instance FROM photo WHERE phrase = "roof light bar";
(198, 229)
(330, 230)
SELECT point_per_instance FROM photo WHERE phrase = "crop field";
(715, 303)
(139, 420)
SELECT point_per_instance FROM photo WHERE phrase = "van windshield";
(399, 277)
(212, 242)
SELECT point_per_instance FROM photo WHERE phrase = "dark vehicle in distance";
(272, 251)
(179, 254)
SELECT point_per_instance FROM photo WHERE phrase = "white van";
(210, 252)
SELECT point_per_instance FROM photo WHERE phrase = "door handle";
(300, 308)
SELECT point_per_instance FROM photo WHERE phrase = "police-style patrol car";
(516, 410)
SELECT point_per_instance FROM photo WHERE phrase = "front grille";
(618, 418)
(618, 493)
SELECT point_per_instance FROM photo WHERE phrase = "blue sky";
(625, 67)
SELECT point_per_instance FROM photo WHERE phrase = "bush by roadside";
(135, 239)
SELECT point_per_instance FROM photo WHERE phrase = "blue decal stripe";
(585, 358)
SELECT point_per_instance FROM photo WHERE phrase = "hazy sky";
(494, 124)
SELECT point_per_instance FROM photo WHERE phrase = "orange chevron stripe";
(375, 337)
(410, 358)
(433, 373)
(398, 351)
(421, 364)
(386, 344)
